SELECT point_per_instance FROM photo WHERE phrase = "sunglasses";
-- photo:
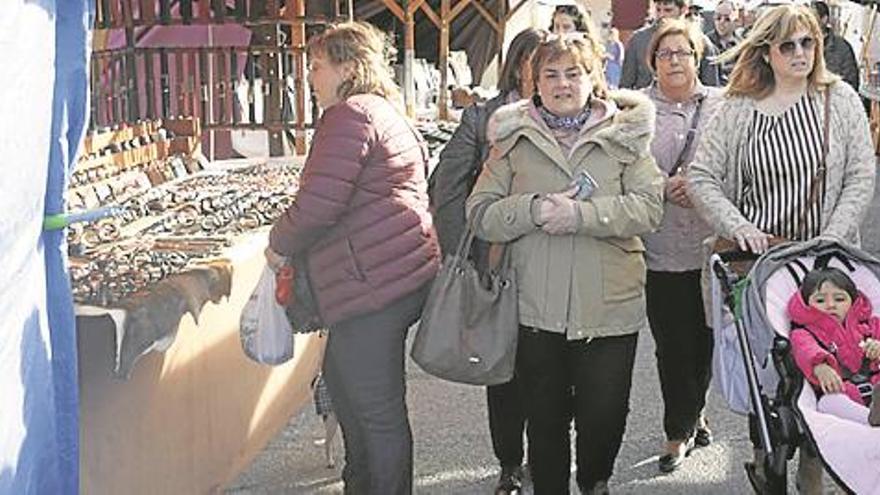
(788, 47)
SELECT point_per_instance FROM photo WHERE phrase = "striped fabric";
(783, 155)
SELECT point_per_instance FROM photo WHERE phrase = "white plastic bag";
(265, 333)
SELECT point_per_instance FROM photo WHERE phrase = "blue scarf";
(575, 123)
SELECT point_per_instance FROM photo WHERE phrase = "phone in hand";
(585, 185)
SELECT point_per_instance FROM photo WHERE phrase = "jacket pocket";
(623, 268)
(353, 267)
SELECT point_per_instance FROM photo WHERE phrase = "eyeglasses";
(667, 54)
(788, 47)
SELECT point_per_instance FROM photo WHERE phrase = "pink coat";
(858, 325)
(361, 213)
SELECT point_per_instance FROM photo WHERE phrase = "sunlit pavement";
(453, 452)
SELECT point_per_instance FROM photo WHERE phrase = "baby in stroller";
(835, 341)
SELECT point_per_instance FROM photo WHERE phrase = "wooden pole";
(443, 99)
(409, 53)
(298, 35)
(502, 27)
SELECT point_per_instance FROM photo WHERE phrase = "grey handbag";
(469, 324)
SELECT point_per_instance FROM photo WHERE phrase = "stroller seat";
(850, 451)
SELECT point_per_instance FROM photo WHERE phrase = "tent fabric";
(45, 47)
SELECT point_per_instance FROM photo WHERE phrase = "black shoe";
(702, 437)
(510, 481)
(670, 462)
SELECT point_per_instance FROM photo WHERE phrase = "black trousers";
(363, 368)
(589, 379)
(684, 348)
(507, 419)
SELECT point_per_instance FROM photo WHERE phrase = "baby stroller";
(755, 371)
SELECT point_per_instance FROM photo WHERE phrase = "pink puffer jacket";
(361, 213)
(844, 339)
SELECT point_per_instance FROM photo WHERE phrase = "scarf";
(555, 122)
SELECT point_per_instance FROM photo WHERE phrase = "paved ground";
(453, 452)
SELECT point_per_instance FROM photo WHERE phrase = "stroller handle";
(737, 255)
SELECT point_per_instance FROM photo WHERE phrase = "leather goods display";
(469, 325)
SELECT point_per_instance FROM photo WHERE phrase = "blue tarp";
(44, 52)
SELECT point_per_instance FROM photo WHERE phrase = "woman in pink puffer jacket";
(835, 336)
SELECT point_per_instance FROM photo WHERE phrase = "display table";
(191, 418)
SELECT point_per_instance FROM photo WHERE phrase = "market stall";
(169, 403)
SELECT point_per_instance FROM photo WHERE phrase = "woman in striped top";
(756, 173)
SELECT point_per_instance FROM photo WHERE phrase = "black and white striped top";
(783, 155)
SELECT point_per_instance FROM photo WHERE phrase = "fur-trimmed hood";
(624, 133)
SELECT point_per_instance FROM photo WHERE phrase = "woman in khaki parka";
(576, 251)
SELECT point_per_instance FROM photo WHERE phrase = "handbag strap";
(819, 178)
(467, 238)
(689, 140)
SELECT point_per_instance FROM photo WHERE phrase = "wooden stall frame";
(405, 12)
(196, 95)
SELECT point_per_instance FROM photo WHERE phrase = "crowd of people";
(606, 199)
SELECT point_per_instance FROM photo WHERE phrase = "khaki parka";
(591, 283)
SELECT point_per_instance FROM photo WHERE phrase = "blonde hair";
(752, 75)
(675, 27)
(367, 52)
(583, 47)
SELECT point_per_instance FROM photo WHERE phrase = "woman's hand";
(750, 238)
(676, 191)
(829, 380)
(871, 348)
(558, 214)
(274, 260)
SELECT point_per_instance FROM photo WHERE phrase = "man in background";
(839, 56)
(724, 35)
(636, 73)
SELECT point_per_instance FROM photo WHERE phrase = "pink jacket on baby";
(843, 339)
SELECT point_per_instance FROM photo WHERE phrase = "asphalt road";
(453, 451)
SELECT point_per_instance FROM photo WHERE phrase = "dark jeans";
(363, 368)
(507, 418)
(587, 379)
(684, 348)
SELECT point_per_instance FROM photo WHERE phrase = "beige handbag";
(468, 331)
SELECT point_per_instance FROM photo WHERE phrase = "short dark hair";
(814, 280)
(821, 9)
(521, 48)
(578, 16)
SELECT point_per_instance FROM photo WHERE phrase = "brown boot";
(874, 415)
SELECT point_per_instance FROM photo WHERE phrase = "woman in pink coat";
(361, 225)
(835, 340)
